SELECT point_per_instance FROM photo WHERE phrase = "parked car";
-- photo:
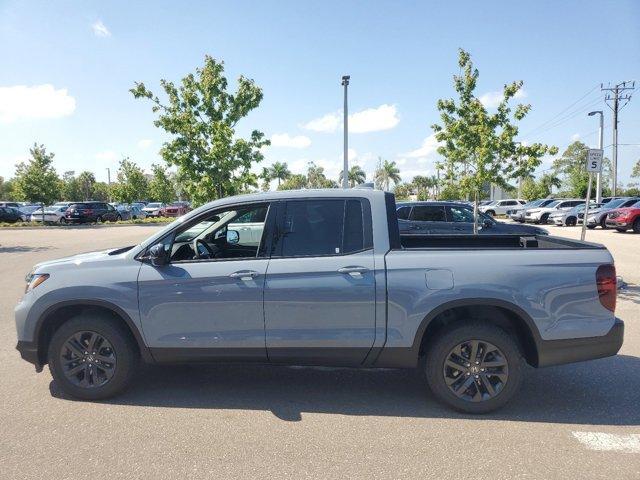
(445, 218)
(608, 199)
(10, 215)
(500, 207)
(52, 214)
(517, 214)
(154, 209)
(11, 204)
(89, 212)
(137, 212)
(569, 217)
(124, 210)
(331, 282)
(599, 216)
(26, 210)
(176, 209)
(541, 214)
(623, 219)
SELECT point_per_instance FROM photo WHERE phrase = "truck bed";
(541, 242)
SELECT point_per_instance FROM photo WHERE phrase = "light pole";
(598, 175)
(109, 183)
(345, 168)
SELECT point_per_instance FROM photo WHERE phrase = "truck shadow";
(600, 392)
(630, 293)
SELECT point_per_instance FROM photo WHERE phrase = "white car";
(541, 215)
(52, 214)
(501, 207)
(153, 209)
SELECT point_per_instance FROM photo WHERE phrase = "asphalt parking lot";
(570, 422)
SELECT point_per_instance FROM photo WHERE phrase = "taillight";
(606, 281)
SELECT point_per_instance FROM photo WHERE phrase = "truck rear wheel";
(474, 367)
(91, 357)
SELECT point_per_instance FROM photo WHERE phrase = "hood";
(533, 210)
(84, 257)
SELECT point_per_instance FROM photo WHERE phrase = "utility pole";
(109, 183)
(345, 168)
(619, 99)
(600, 146)
(519, 165)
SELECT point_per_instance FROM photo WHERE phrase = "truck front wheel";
(91, 357)
(474, 367)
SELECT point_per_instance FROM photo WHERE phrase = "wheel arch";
(511, 317)
(56, 315)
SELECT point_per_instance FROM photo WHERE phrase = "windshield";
(534, 203)
(154, 205)
(614, 203)
(553, 204)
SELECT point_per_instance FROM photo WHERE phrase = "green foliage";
(278, 171)
(385, 173)
(6, 189)
(356, 176)
(86, 182)
(202, 118)
(403, 191)
(451, 191)
(101, 192)
(424, 186)
(37, 180)
(294, 182)
(160, 186)
(635, 172)
(533, 189)
(479, 147)
(132, 184)
(570, 169)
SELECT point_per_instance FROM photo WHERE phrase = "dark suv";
(86, 212)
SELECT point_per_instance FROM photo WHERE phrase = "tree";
(132, 184)
(478, 147)
(6, 189)
(403, 191)
(356, 176)
(37, 180)
(202, 118)
(279, 171)
(160, 185)
(570, 169)
(635, 172)
(86, 182)
(316, 177)
(70, 190)
(294, 182)
(386, 172)
(422, 186)
(101, 192)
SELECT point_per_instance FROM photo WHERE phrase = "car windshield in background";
(614, 203)
(553, 204)
(154, 205)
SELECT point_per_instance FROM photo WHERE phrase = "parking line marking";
(609, 442)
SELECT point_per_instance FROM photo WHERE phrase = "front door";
(319, 298)
(206, 304)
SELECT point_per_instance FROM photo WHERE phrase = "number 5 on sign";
(594, 160)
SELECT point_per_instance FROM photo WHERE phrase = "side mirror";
(486, 223)
(158, 255)
(233, 237)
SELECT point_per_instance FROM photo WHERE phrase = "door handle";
(353, 270)
(244, 274)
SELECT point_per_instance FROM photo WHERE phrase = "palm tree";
(422, 186)
(386, 173)
(356, 176)
(266, 179)
(279, 171)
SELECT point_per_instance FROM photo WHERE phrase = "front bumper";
(29, 352)
(559, 352)
(617, 223)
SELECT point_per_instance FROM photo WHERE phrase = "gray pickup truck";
(322, 278)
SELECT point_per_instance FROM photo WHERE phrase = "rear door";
(319, 296)
(429, 219)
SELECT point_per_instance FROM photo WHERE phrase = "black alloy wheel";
(88, 360)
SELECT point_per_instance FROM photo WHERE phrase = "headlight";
(33, 280)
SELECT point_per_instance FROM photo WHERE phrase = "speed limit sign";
(594, 160)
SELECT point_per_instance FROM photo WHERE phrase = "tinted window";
(628, 203)
(254, 216)
(322, 227)
(431, 213)
(403, 213)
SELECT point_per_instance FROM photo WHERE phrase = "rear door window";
(403, 213)
(428, 213)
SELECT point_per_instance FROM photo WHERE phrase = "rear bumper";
(29, 352)
(558, 352)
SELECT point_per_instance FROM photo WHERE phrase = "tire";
(603, 223)
(485, 334)
(491, 213)
(118, 218)
(591, 227)
(120, 348)
(571, 222)
(544, 218)
(62, 220)
(621, 230)
(98, 219)
(636, 225)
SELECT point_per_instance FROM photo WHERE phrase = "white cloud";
(384, 117)
(21, 102)
(144, 143)
(575, 137)
(428, 148)
(326, 124)
(376, 119)
(492, 99)
(100, 29)
(285, 140)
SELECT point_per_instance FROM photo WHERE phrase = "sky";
(67, 68)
